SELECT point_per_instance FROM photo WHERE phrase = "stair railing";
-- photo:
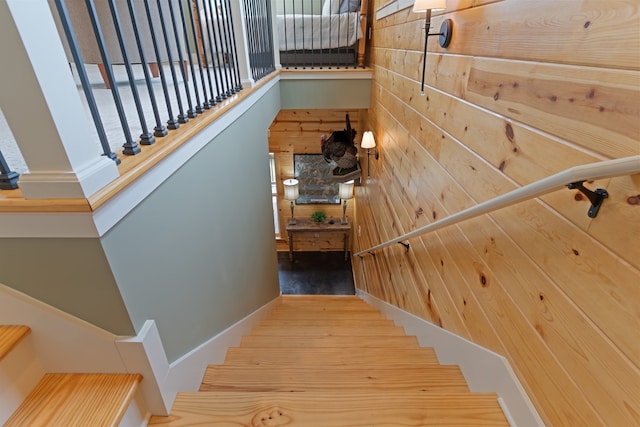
(573, 178)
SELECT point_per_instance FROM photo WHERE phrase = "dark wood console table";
(308, 226)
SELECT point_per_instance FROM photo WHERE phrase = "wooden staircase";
(67, 399)
(332, 361)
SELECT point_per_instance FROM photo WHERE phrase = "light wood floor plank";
(10, 336)
(77, 400)
(330, 357)
(326, 341)
(318, 331)
(327, 378)
(334, 409)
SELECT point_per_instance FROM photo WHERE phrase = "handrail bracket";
(406, 245)
(595, 197)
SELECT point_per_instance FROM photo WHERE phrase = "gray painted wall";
(338, 94)
(199, 253)
(71, 274)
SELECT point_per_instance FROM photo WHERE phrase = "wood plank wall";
(526, 89)
(299, 132)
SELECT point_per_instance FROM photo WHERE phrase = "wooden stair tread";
(334, 315)
(329, 341)
(331, 409)
(326, 378)
(327, 322)
(327, 331)
(77, 400)
(10, 336)
(330, 356)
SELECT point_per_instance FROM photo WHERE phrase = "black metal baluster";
(205, 58)
(8, 178)
(196, 92)
(130, 147)
(159, 129)
(284, 22)
(146, 138)
(182, 118)
(206, 28)
(220, 47)
(249, 15)
(215, 51)
(172, 123)
(295, 39)
(234, 52)
(321, 36)
(227, 49)
(270, 51)
(205, 102)
(84, 80)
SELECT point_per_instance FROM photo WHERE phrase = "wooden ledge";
(10, 336)
(77, 400)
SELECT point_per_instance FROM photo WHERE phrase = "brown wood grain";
(77, 400)
(333, 409)
(10, 336)
(525, 90)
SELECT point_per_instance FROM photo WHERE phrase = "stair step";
(329, 341)
(328, 315)
(335, 409)
(328, 307)
(328, 322)
(327, 378)
(330, 356)
(319, 331)
(10, 336)
(77, 400)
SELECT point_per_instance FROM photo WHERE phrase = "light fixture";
(368, 142)
(345, 190)
(291, 193)
(446, 29)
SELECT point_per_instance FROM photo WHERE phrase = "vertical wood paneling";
(526, 89)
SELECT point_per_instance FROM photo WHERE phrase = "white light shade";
(367, 140)
(291, 189)
(422, 5)
(345, 190)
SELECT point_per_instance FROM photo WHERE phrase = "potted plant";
(318, 216)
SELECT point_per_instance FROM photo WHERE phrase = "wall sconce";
(291, 193)
(345, 190)
(368, 142)
(446, 29)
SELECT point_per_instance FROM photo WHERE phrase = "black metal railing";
(163, 62)
(8, 178)
(260, 37)
(319, 33)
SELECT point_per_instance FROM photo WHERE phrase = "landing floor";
(315, 273)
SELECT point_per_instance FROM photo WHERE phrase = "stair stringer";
(484, 370)
(59, 342)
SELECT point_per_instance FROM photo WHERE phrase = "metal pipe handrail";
(604, 169)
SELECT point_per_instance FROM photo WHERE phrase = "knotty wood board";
(427, 378)
(330, 356)
(500, 112)
(334, 409)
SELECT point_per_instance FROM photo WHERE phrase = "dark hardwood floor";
(315, 273)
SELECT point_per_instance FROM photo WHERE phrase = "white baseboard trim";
(60, 342)
(145, 354)
(484, 370)
(186, 373)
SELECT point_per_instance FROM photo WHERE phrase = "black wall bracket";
(406, 245)
(595, 197)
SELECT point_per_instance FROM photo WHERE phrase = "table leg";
(346, 246)
(290, 246)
